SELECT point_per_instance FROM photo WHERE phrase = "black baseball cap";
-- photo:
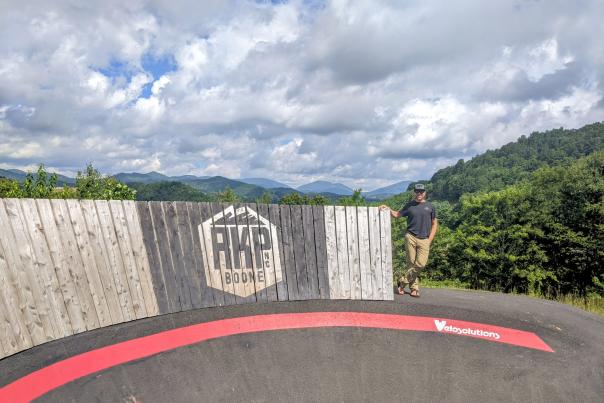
(419, 187)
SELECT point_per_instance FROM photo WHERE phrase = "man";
(421, 229)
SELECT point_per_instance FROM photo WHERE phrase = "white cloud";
(362, 92)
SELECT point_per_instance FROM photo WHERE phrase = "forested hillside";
(515, 161)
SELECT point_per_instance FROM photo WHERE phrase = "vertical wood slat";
(153, 254)
(187, 255)
(342, 251)
(310, 252)
(375, 254)
(8, 341)
(140, 257)
(195, 220)
(247, 259)
(353, 252)
(21, 261)
(332, 252)
(385, 235)
(116, 264)
(46, 268)
(252, 221)
(223, 260)
(364, 255)
(321, 250)
(88, 263)
(62, 264)
(304, 289)
(124, 246)
(13, 299)
(268, 253)
(176, 255)
(278, 252)
(288, 252)
(74, 259)
(161, 232)
(215, 282)
(95, 236)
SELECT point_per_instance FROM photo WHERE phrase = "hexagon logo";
(240, 249)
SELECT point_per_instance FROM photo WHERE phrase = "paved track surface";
(347, 363)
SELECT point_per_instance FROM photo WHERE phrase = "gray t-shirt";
(419, 218)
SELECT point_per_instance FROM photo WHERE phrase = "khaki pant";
(417, 257)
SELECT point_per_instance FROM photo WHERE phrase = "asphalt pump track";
(446, 346)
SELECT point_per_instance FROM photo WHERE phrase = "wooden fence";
(68, 266)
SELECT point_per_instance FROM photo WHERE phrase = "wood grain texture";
(46, 268)
(176, 254)
(223, 259)
(342, 251)
(299, 253)
(246, 253)
(353, 252)
(364, 252)
(215, 282)
(103, 265)
(267, 250)
(331, 247)
(376, 271)
(161, 234)
(153, 255)
(97, 290)
(278, 254)
(114, 256)
(140, 256)
(321, 251)
(206, 297)
(386, 239)
(187, 256)
(310, 252)
(288, 252)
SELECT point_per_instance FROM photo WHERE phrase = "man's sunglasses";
(419, 191)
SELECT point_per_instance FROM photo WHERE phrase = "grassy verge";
(591, 303)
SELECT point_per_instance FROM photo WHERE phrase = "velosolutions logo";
(441, 326)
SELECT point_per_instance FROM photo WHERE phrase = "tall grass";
(591, 303)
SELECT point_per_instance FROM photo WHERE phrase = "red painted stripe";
(46, 379)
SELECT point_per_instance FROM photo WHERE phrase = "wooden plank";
(277, 243)
(321, 251)
(62, 265)
(364, 251)
(177, 255)
(342, 249)
(91, 271)
(251, 251)
(161, 233)
(375, 254)
(114, 257)
(288, 253)
(332, 252)
(386, 238)
(213, 274)
(27, 270)
(222, 258)
(76, 266)
(187, 261)
(352, 234)
(267, 249)
(45, 269)
(103, 265)
(206, 295)
(9, 338)
(155, 265)
(10, 291)
(125, 248)
(299, 255)
(310, 252)
(140, 257)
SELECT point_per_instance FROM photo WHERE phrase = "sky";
(365, 93)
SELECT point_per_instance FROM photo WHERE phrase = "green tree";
(356, 199)
(266, 198)
(10, 188)
(92, 185)
(40, 185)
(227, 196)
